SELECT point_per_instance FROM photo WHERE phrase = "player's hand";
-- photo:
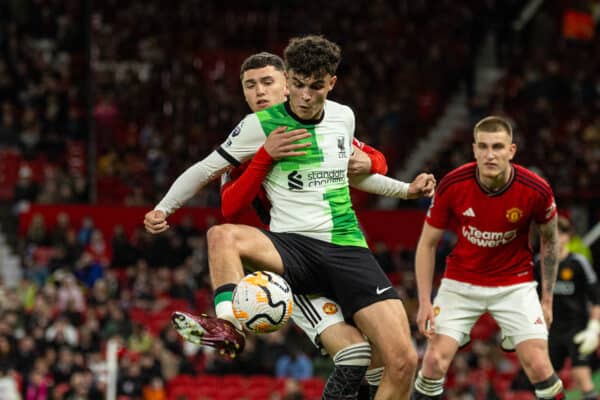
(422, 186)
(547, 310)
(359, 162)
(155, 221)
(281, 144)
(588, 338)
(425, 320)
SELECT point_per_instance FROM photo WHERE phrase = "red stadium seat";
(233, 381)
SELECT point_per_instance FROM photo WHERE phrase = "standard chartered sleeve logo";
(295, 181)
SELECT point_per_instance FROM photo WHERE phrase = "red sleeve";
(378, 161)
(238, 194)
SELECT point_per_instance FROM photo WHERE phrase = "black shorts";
(348, 274)
(561, 346)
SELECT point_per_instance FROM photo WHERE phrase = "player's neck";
(318, 117)
(496, 183)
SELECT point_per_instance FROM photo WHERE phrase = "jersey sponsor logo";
(564, 288)
(487, 238)
(341, 147)
(295, 181)
(469, 212)
(566, 274)
(326, 177)
(380, 291)
(514, 215)
(329, 308)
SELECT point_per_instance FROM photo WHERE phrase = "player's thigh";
(518, 312)
(318, 317)
(254, 247)
(385, 323)
(457, 306)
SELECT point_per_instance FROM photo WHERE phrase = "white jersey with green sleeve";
(309, 194)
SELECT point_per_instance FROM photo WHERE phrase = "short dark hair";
(493, 123)
(312, 56)
(261, 60)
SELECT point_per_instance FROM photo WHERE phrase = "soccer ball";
(262, 302)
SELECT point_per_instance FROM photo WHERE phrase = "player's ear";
(332, 82)
(286, 90)
(513, 150)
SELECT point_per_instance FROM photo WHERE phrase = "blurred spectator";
(295, 364)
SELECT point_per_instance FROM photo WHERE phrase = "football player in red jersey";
(491, 203)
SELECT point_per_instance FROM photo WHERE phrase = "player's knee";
(220, 236)
(537, 368)
(403, 364)
(435, 362)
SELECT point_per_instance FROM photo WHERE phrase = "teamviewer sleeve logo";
(295, 181)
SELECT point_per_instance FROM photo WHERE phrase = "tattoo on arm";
(549, 256)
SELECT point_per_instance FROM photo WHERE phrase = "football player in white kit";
(314, 323)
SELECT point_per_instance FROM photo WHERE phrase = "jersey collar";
(303, 121)
(503, 189)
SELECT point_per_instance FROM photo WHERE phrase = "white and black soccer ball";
(263, 302)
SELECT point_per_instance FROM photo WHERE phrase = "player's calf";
(350, 365)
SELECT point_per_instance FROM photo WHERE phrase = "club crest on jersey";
(436, 311)
(341, 147)
(329, 308)
(566, 274)
(514, 215)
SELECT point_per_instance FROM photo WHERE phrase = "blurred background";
(103, 103)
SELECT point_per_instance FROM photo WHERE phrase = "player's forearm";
(549, 258)
(381, 185)
(191, 181)
(424, 269)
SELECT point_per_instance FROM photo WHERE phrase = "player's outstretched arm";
(424, 269)
(548, 264)
(366, 160)
(422, 186)
(238, 194)
(190, 182)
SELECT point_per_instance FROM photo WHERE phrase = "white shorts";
(516, 309)
(314, 314)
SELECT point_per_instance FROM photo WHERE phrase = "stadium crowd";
(164, 97)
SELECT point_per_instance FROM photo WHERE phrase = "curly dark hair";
(261, 60)
(312, 56)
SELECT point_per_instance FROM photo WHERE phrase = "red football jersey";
(492, 227)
